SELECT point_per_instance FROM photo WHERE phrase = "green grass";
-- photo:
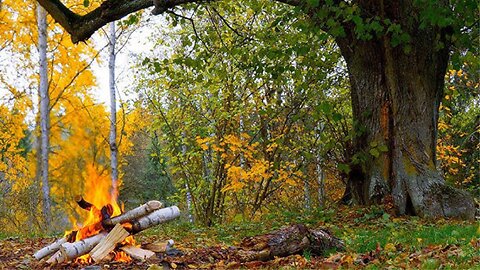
(363, 230)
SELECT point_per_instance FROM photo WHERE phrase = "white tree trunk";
(113, 107)
(44, 110)
(320, 182)
(320, 172)
(188, 194)
(306, 185)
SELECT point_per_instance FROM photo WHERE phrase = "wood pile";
(111, 233)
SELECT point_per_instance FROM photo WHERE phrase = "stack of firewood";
(111, 232)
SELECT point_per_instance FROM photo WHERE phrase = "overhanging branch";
(82, 27)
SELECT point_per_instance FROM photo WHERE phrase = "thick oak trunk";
(396, 93)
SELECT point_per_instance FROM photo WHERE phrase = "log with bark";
(52, 248)
(136, 220)
(69, 251)
(155, 218)
(287, 241)
(133, 214)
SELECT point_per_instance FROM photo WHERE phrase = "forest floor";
(374, 239)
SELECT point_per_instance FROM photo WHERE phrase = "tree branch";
(82, 27)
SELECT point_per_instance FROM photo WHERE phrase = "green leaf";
(344, 167)
(86, 3)
(337, 117)
(157, 66)
(374, 152)
(383, 148)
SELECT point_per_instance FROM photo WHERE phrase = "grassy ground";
(374, 240)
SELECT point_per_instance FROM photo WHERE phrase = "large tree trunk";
(396, 93)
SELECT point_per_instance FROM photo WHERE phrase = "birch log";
(155, 218)
(56, 258)
(53, 247)
(134, 213)
(73, 250)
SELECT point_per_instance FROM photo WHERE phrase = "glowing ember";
(100, 193)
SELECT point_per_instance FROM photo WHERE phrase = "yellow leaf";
(390, 247)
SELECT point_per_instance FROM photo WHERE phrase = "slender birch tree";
(113, 107)
(44, 111)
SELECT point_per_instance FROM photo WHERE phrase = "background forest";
(236, 113)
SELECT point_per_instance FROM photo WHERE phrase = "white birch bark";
(188, 194)
(306, 185)
(134, 213)
(320, 182)
(53, 247)
(113, 107)
(155, 218)
(44, 110)
(320, 172)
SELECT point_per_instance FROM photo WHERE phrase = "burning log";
(70, 251)
(83, 204)
(133, 214)
(155, 218)
(137, 253)
(107, 244)
(106, 212)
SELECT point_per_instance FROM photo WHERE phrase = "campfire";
(107, 233)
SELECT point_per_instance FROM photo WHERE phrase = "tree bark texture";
(53, 247)
(133, 214)
(395, 98)
(70, 251)
(155, 218)
(44, 111)
(113, 108)
(287, 241)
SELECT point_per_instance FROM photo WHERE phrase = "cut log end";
(108, 244)
(137, 253)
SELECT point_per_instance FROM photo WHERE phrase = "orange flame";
(99, 192)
